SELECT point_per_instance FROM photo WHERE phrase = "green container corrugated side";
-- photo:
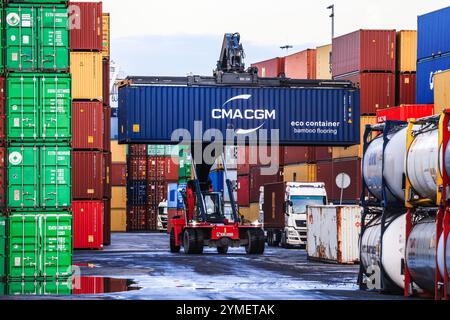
(39, 177)
(40, 246)
(39, 108)
(32, 288)
(2, 247)
(37, 38)
(2, 67)
(185, 170)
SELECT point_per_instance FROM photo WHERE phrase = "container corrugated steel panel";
(137, 167)
(88, 174)
(425, 77)
(364, 50)
(119, 174)
(88, 125)
(119, 152)
(355, 151)
(297, 155)
(88, 36)
(251, 156)
(377, 90)
(323, 62)
(407, 51)
(406, 88)
(119, 198)
(405, 112)
(325, 175)
(107, 175)
(258, 179)
(106, 25)
(2, 247)
(137, 218)
(442, 91)
(351, 167)
(433, 33)
(137, 150)
(304, 173)
(324, 153)
(2, 110)
(87, 75)
(243, 184)
(272, 68)
(106, 83)
(3, 184)
(88, 224)
(119, 220)
(150, 114)
(301, 65)
(107, 133)
(137, 192)
(333, 234)
(273, 206)
(107, 222)
(156, 193)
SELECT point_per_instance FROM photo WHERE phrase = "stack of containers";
(433, 52)
(92, 158)
(119, 187)
(406, 67)
(38, 138)
(301, 65)
(136, 191)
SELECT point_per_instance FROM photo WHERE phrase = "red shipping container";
(171, 169)
(156, 192)
(106, 83)
(136, 218)
(118, 174)
(2, 111)
(107, 161)
(243, 184)
(301, 65)
(377, 90)
(272, 68)
(297, 155)
(3, 185)
(88, 224)
(249, 157)
(88, 177)
(107, 222)
(364, 50)
(324, 153)
(88, 126)
(406, 88)
(151, 219)
(137, 167)
(86, 26)
(352, 194)
(137, 150)
(107, 133)
(405, 112)
(88, 286)
(325, 175)
(258, 180)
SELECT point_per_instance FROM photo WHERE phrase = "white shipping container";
(333, 233)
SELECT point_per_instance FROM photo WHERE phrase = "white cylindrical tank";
(394, 166)
(393, 248)
(441, 255)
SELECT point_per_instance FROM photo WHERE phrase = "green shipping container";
(185, 170)
(40, 246)
(39, 177)
(37, 38)
(2, 247)
(32, 288)
(2, 69)
(39, 108)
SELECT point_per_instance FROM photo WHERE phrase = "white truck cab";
(162, 217)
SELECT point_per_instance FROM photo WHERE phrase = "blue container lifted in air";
(301, 112)
(433, 34)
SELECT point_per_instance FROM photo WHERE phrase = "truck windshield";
(301, 202)
(162, 211)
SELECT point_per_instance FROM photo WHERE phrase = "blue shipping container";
(425, 77)
(137, 192)
(218, 181)
(115, 128)
(175, 199)
(433, 34)
(303, 116)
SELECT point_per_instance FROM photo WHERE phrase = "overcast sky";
(175, 37)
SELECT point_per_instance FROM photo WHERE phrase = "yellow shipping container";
(119, 220)
(251, 214)
(354, 151)
(87, 75)
(106, 35)
(119, 152)
(407, 51)
(119, 198)
(323, 67)
(304, 173)
(441, 91)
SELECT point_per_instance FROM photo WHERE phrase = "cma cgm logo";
(248, 114)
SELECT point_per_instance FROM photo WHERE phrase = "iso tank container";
(87, 31)
(333, 233)
(433, 34)
(39, 246)
(320, 116)
(364, 50)
(88, 224)
(88, 175)
(272, 68)
(301, 65)
(88, 125)
(37, 38)
(426, 71)
(377, 90)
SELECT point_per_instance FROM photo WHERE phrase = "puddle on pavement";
(79, 286)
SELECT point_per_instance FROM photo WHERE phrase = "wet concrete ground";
(278, 275)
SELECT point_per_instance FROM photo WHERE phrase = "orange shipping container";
(251, 214)
(441, 91)
(118, 220)
(407, 51)
(323, 63)
(301, 65)
(87, 75)
(106, 36)
(304, 173)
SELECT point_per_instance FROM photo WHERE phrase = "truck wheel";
(173, 247)
(277, 240)
(190, 241)
(256, 242)
(199, 241)
(270, 238)
(222, 250)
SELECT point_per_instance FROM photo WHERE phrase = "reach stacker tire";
(193, 241)
(222, 250)
(256, 242)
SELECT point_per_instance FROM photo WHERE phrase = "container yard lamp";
(332, 20)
